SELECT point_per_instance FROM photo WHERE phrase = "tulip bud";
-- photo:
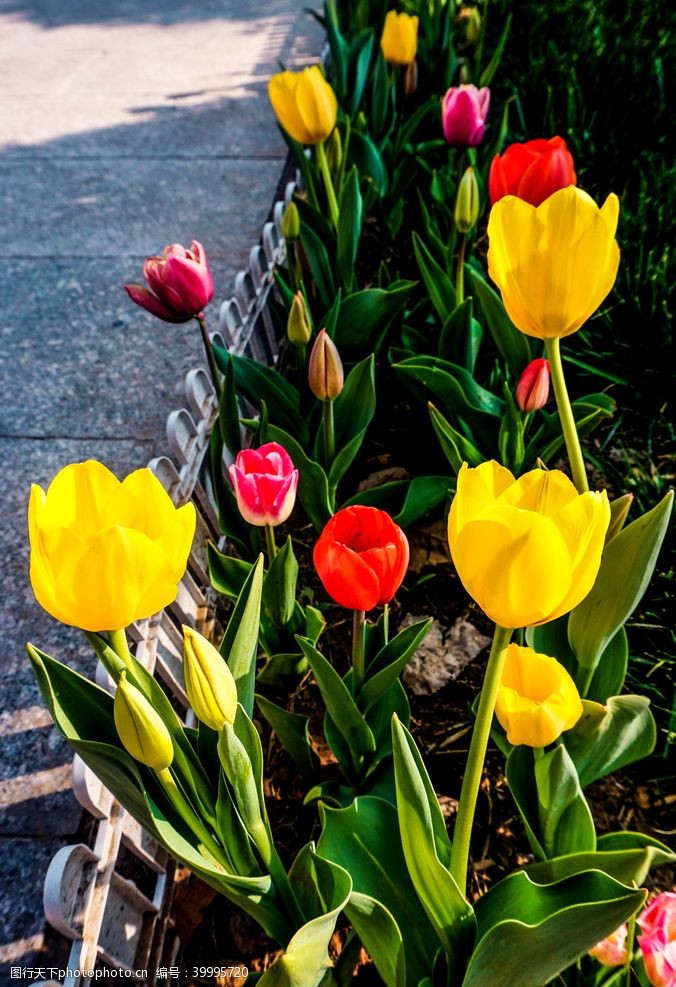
(334, 151)
(142, 730)
(208, 681)
(291, 223)
(612, 951)
(325, 369)
(473, 29)
(532, 391)
(411, 78)
(298, 328)
(467, 202)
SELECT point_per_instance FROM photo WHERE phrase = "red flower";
(532, 391)
(361, 557)
(180, 282)
(532, 171)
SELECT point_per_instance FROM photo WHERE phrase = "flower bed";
(407, 381)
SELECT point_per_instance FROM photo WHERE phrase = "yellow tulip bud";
(291, 223)
(553, 263)
(473, 29)
(305, 104)
(105, 553)
(325, 368)
(526, 550)
(399, 41)
(467, 202)
(208, 681)
(142, 730)
(537, 699)
(334, 151)
(298, 328)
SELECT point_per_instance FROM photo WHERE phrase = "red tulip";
(532, 171)
(361, 557)
(463, 115)
(532, 391)
(180, 283)
(265, 482)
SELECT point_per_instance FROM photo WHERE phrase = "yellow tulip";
(141, 729)
(554, 263)
(526, 550)
(399, 41)
(105, 553)
(211, 689)
(537, 699)
(305, 104)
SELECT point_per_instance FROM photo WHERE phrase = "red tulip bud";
(179, 281)
(532, 391)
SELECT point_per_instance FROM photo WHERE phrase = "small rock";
(442, 655)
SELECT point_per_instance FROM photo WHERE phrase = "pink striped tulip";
(265, 482)
(463, 115)
(180, 284)
(658, 942)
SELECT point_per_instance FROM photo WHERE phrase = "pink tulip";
(532, 391)
(265, 483)
(658, 942)
(611, 951)
(180, 283)
(463, 115)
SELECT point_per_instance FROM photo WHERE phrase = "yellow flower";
(141, 729)
(211, 689)
(400, 38)
(106, 553)
(537, 699)
(526, 550)
(554, 263)
(305, 104)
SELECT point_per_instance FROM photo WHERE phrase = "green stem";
(328, 183)
(270, 542)
(386, 623)
(631, 935)
(476, 756)
(211, 359)
(358, 651)
(118, 642)
(329, 432)
(571, 438)
(460, 272)
(189, 816)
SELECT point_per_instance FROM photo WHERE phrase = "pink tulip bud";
(265, 483)
(611, 951)
(532, 391)
(658, 942)
(180, 284)
(463, 115)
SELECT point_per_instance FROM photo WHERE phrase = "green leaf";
(279, 585)
(611, 671)
(320, 264)
(261, 383)
(420, 495)
(228, 412)
(365, 155)
(306, 958)
(240, 641)
(230, 521)
(627, 857)
(361, 52)
(340, 705)
(606, 738)
(437, 281)
(427, 850)
(353, 411)
(461, 336)
(292, 731)
(365, 316)
(390, 661)
(626, 569)
(456, 447)
(487, 75)
(565, 820)
(349, 228)
(512, 345)
(536, 931)
(282, 666)
(383, 908)
(313, 484)
(227, 574)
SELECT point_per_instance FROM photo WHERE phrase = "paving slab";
(123, 127)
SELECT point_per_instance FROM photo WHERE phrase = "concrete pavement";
(124, 126)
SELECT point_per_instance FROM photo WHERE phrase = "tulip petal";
(477, 489)
(583, 524)
(152, 304)
(546, 492)
(345, 576)
(282, 94)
